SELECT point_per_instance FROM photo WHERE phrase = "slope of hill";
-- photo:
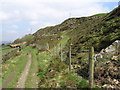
(53, 43)
(96, 30)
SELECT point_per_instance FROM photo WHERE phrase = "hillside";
(99, 30)
(50, 49)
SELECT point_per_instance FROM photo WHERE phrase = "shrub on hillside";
(83, 84)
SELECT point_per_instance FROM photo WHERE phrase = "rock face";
(114, 48)
(112, 51)
(107, 75)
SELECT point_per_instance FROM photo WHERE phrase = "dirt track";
(23, 77)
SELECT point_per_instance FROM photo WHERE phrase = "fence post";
(61, 53)
(57, 50)
(54, 50)
(48, 47)
(91, 67)
(70, 59)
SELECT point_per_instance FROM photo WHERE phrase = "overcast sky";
(20, 17)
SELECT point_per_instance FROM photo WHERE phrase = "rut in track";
(23, 77)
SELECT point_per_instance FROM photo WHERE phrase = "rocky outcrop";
(107, 74)
(111, 52)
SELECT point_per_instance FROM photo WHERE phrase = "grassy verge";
(20, 67)
(7, 50)
(4, 47)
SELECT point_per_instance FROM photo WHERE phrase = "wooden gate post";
(91, 67)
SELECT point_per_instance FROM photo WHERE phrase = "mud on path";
(23, 77)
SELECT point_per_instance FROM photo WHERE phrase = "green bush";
(83, 84)
(40, 74)
(73, 78)
(58, 65)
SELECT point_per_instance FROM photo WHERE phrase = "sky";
(21, 17)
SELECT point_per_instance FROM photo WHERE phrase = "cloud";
(14, 26)
(9, 35)
(41, 1)
(34, 22)
(4, 15)
(12, 32)
(20, 15)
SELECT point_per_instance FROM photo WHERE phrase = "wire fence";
(96, 68)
